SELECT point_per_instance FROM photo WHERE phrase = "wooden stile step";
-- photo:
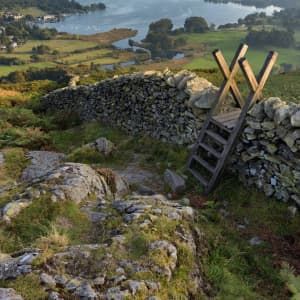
(203, 163)
(199, 177)
(228, 119)
(217, 137)
(210, 150)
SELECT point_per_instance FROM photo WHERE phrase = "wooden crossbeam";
(257, 84)
(229, 73)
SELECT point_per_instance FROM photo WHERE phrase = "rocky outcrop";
(136, 259)
(143, 246)
(69, 181)
(268, 155)
(166, 106)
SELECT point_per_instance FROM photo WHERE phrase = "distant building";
(10, 16)
(14, 45)
(50, 18)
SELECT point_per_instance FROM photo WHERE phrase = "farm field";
(5, 70)
(69, 53)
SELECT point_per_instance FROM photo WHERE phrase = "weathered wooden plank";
(216, 137)
(210, 150)
(231, 72)
(233, 115)
(204, 163)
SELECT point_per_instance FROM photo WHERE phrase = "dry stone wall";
(167, 106)
(172, 107)
(268, 154)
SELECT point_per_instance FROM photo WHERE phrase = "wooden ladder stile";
(230, 124)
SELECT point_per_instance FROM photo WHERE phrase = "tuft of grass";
(15, 163)
(27, 286)
(138, 245)
(36, 222)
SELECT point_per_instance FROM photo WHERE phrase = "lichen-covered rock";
(102, 145)
(9, 294)
(69, 181)
(142, 244)
(295, 119)
(2, 159)
(174, 181)
(13, 267)
(41, 163)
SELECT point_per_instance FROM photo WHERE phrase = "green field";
(60, 45)
(228, 41)
(5, 70)
(85, 56)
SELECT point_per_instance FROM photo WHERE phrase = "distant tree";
(10, 48)
(41, 49)
(196, 25)
(278, 38)
(163, 25)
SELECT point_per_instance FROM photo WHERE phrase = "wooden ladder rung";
(210, 150)
(216, 137)
(199, 177)
(204, 163)
(220, 125)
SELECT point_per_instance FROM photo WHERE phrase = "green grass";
(27, 286)
(228, 41)
(236, 269)
(33, 11)
(85, 56)
(101, 61)
(38, 219)
(5, 70)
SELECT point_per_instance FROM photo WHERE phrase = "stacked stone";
(268, 155)
(167, 106)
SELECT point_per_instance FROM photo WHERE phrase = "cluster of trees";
(10, 61)
(44, 49)
(51, 6)
(161, 37)
(280, 38)
(262, 3)
(21, 32)
(196, 25)
(58, 75)
(289, 18)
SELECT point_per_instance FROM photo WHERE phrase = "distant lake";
(138, 14)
